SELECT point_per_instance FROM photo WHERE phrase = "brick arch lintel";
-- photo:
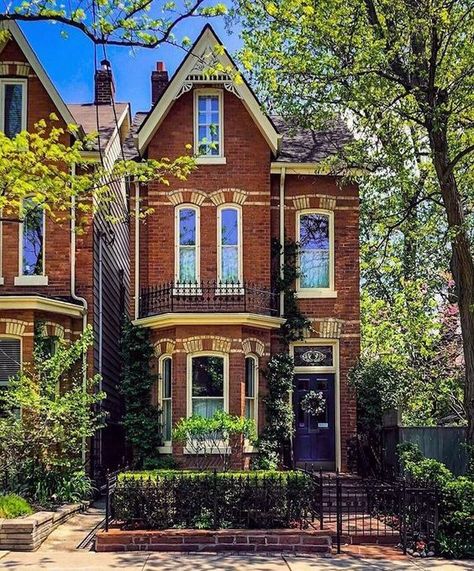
(164, 347)
(199, 343)
(307, 201)
(253, 345)
(15, 327)
(325, 328)
(231, 195)
(187, 196)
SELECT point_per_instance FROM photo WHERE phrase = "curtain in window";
(12, 112)
(229, 245)
(314, 251)
(208, 125)
(33, 234)
(207, 385)
(166, 399)
(250, 387)
(187, 246)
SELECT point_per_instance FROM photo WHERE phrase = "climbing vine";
(142, 419)
(296, 323)
(279, 428)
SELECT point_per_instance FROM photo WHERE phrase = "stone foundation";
(230, 540)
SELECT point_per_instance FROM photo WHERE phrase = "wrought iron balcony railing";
(208, 297)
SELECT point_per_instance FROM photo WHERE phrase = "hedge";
(207, 500)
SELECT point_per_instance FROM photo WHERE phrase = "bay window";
(229, 244)
(187, 245)
(166, 402)
(207, 385)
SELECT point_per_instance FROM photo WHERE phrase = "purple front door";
(314, 435)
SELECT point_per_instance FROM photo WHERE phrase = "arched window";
(315, 234)
(187, 245)
(229, 245)
(251, 388)
(166, 398)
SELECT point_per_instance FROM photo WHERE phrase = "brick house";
(51, 279)
(201, 264)
(199, 271)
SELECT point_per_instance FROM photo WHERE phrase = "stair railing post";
(404, 516)
(321, 499)
(107, 499)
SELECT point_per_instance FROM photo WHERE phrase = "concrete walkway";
(59, 553)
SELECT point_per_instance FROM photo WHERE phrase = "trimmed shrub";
(12, 505)
(206, 500)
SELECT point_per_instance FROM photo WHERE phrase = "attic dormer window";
(13, 106)
(208, 125)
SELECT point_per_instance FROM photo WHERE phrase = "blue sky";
(70, 62)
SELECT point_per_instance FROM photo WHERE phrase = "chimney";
(104, 84)
(159, 81)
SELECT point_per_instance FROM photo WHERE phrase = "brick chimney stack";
(104, 84)
(159, 81)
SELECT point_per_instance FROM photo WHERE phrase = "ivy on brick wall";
(296, 323)
(279, 428)
(142, 419)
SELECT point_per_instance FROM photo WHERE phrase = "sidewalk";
(59, 553)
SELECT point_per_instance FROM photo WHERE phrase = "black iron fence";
(212, 500)
(349, 508)
(208, 296)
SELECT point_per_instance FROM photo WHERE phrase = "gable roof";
(193, 63)
(39, 70)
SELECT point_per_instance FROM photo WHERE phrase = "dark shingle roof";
(89, 115)
(307, 145)
(297, 146)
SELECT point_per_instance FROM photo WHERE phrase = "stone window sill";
(211, 161)
(31, 281)
(316, 293)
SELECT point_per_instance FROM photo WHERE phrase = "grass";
(155, 474)
(12, 506)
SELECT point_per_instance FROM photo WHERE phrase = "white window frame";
(24, 106)
(318, 292)
(166, 448)
(248, 447)
(238, 208)
(25, 280)
(208, 159)
(223, 446)
(179, 287)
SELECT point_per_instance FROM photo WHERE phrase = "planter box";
(229, 540)
(28, 533)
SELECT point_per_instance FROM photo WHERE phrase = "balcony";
(208, 297)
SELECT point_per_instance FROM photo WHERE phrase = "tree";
(402, 73)
(145, 23)
(41, 448)
(40, 165)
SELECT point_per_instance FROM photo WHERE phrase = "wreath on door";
(313, 403)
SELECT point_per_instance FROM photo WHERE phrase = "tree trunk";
(462, 263)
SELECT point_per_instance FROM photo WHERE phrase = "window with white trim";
(187, 245)
(251, 388)
(229, 258)
(32, 239)
(207, 385)
(13, 106)
(316, 251)
(166, 402)
(208, 127)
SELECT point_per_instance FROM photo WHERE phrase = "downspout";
(282, 236)
(137, 249)
(78, 298)
(100, 332)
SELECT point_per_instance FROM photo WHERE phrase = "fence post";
(338, 512)
(403, 516)
(107, 499)
(214, 491)
(321, 499)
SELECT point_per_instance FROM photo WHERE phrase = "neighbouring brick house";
(51, 279)
(198, 271)
(201, 264)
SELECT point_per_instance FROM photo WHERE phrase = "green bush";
(162, 462)
(12, 505)
(456, 507)
(206, 500)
